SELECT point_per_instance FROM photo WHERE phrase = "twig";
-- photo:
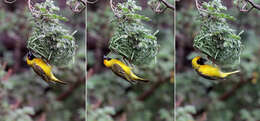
(199, 7)
(168, 5)
(143, 96)
(91, 2)
(9, 2)
(253, 4)
(243, 8)
(67, 93)
(31, 8)
(149, 92)
(77, 9)
(228, 94)
(157, 9)
(113, 8)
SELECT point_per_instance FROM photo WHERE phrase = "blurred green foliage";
(233, 99)
(100, 114)
(185, 113)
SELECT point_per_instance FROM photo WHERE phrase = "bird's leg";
(127, 62)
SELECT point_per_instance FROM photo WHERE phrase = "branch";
(149, 92)
(143, 96)
(30, 6)
(113, 8)
(67, 93)
(231, 92)
(253, 4)
(92, 2)
(199, 7)
(227, 94)
(9, 2)
(77, 9)
(157, 9)
(32, 9)
(168, 5)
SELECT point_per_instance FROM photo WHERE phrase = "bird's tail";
(229, 73)
(138, 78)
(58, 81)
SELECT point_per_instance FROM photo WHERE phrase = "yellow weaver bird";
(208, 71)
(122, 70)
(42, 69)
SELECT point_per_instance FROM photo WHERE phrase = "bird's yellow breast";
(209, 71)
(39, 62)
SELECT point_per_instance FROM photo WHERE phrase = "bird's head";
(201, 61)
(29, 58)
(197, 61)
(107, 61)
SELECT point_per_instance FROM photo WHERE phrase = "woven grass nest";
(216, 39)
(49, 39)
(131, 39)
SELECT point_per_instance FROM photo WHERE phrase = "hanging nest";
(131, 39)
(49, 39)
(216, 39)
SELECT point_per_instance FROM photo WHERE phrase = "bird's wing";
(118, 70)
(208, 72)
(40, 72)
(205, 76)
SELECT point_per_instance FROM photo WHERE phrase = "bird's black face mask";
(107, 58)
(30, 55)
(201, 61)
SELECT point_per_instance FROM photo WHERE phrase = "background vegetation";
(24, 96)
(110, 98)
(233, 99)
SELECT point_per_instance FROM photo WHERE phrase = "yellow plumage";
(122, 70)
(209, 71)
(42, 69)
